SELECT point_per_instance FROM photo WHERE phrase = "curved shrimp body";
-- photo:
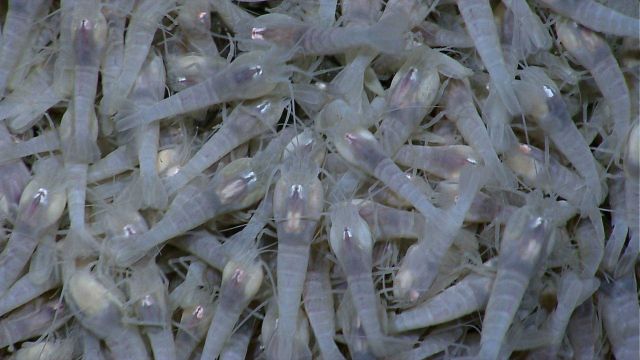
(478, 18)
(352, 244)
(244, 123)
(297, 206)
(595, 16)
(234, 187)
(241, 281)
(29, 322)
(526, 242)
(466, 296)
(592, 52)
(99, 310)
(21, 16)
(250, 76)
(544, 103)
(390, 223)
(445, 161)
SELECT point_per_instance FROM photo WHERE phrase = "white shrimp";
(478, 17)
(595, 16)
(251, 75)
(527, 240)
(41, 205)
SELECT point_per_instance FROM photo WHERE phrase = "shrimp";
(244, 123)
(25, 290)
(469, 294)
(351, 242)
(205, 246)
(147, 90)
(431, 345)
(194, 18)
(116, 162)
(238, 185)
(143, 24)
(46, 142)
(196, 301)
(460, 108)
(31, 321)
(14, 176)
(478, 18)
(529, 35)
(21, 16)
(99, 310)
(618, 305)
(386, 36)
(584, 330)
(251, 75)
(445, 161)
(298, 203)
(150, 304)
(527, 241)
(237, 346)
(412, 95)
(632, 197)
(546, 106)
(595, 16)
(41, 205)
(434, 35)
(420, 265)
(241, 280)
(592, 52)
(58, 349)
(361, 12)
(388, 223)
(318, 304)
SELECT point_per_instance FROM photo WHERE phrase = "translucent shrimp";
(529, 31)
(584, 330)
(205, 246)
(595, 16)
(194, 18)
(433, 344)
(445, 161)
(251, 75)
(100, 311)
(241, 280)
(147, 90)
(58, 349)
(412, 94)
(388, 223)
(544, 102)
(244, 123)
(591, 51)
(318, 304)
(618, 305)
(478, 17)
(31, 321)
(527, 240)
(359, 147)
(352, 244)
(46, 142)
(238, 185)
(14, 176)
(149, 295)
(41, 205)
(460, 108)
(26, 289)
(143, 24)
(420, 265)
(299, 38)
(298, 203)
(469, 294)
(237, 346)
(437, 36)
(21, 16)
(196, 301)
(120, 160)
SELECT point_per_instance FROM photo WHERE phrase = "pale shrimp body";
(466, 296)
(100, 311)
(41, 205)
(445, 161)
(527, 240)
(244, 123)
(30, 321)
(387, 223)
(352, 244)
(250, 76)
(25, 290)
(596, 16)
(478, 17)
(618, 304)
(592, 52)
(297, 207)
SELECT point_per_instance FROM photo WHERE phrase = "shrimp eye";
(248, 74)
(128, 230)
(258, 33)
(40, 197)
(264, 107)
(198, 312)
(147, 300)
(346, 234)
(296, 192)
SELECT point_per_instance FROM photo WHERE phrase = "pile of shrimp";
(314, 179)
